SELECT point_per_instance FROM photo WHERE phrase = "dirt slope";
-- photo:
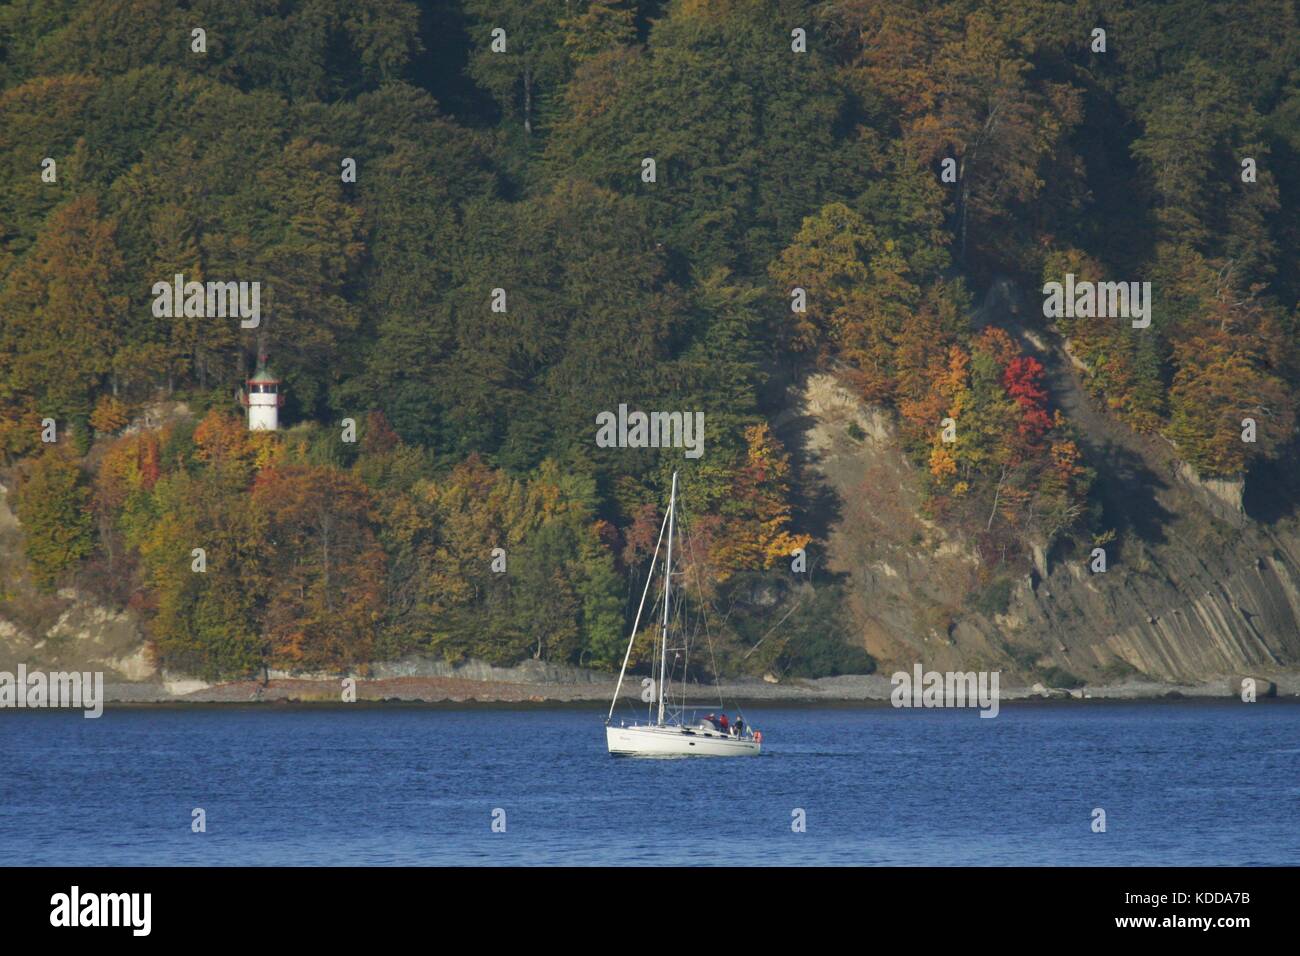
(1203, 578)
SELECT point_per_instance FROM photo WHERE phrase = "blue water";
(1185, 783)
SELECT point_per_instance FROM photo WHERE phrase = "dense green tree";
(319, 49)
(1196, 128)
(745, 134)
(202, 622)
(532, 60)
(58, 531)
(60, 313)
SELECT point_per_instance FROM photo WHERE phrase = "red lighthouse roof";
(263, 375)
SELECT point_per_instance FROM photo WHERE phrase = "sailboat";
(670, 734)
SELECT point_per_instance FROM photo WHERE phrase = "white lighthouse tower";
(263, 399)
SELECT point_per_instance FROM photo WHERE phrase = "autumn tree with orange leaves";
(756, 531)
(322, 563)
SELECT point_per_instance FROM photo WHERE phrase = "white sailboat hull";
(706, 738)
(649, 740)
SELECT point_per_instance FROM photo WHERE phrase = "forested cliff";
(478, 225)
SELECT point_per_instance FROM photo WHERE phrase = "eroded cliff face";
(67, 630)
(1203, 581)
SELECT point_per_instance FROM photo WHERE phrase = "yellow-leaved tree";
(756, 517)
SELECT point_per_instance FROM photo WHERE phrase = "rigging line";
(654, 656)
(727, 617)
(704, 614)
(630, 640)
(797, 602)
(685, 650)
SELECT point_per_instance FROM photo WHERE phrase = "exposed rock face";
(63, 631)
(1196, 588)
(70, 630)
(1191, 613)
(1226, 497)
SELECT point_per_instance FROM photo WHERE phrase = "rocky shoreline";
(425, 681)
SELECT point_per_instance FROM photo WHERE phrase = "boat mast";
(668, 583)
(637, 623)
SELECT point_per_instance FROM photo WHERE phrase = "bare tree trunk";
(962, 206)
(528, 101)
(964, 195)
(325, 557)
(996, 495)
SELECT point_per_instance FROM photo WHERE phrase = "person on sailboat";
(723, 722)
(740, 726)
